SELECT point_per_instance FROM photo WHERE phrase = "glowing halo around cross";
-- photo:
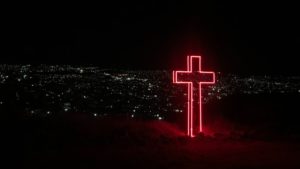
(194, 79)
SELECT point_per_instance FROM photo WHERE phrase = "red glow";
(193, 81)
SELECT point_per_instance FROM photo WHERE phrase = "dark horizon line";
(127, 68)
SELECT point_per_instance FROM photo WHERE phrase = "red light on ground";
(194, 83)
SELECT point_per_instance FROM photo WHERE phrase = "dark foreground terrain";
(264, 135)
(153, 144)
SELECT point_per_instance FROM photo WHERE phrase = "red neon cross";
(194, 77)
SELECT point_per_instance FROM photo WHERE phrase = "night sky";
(244, 38)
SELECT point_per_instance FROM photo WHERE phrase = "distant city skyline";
(99, 92)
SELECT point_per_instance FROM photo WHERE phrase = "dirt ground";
(106, 143)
